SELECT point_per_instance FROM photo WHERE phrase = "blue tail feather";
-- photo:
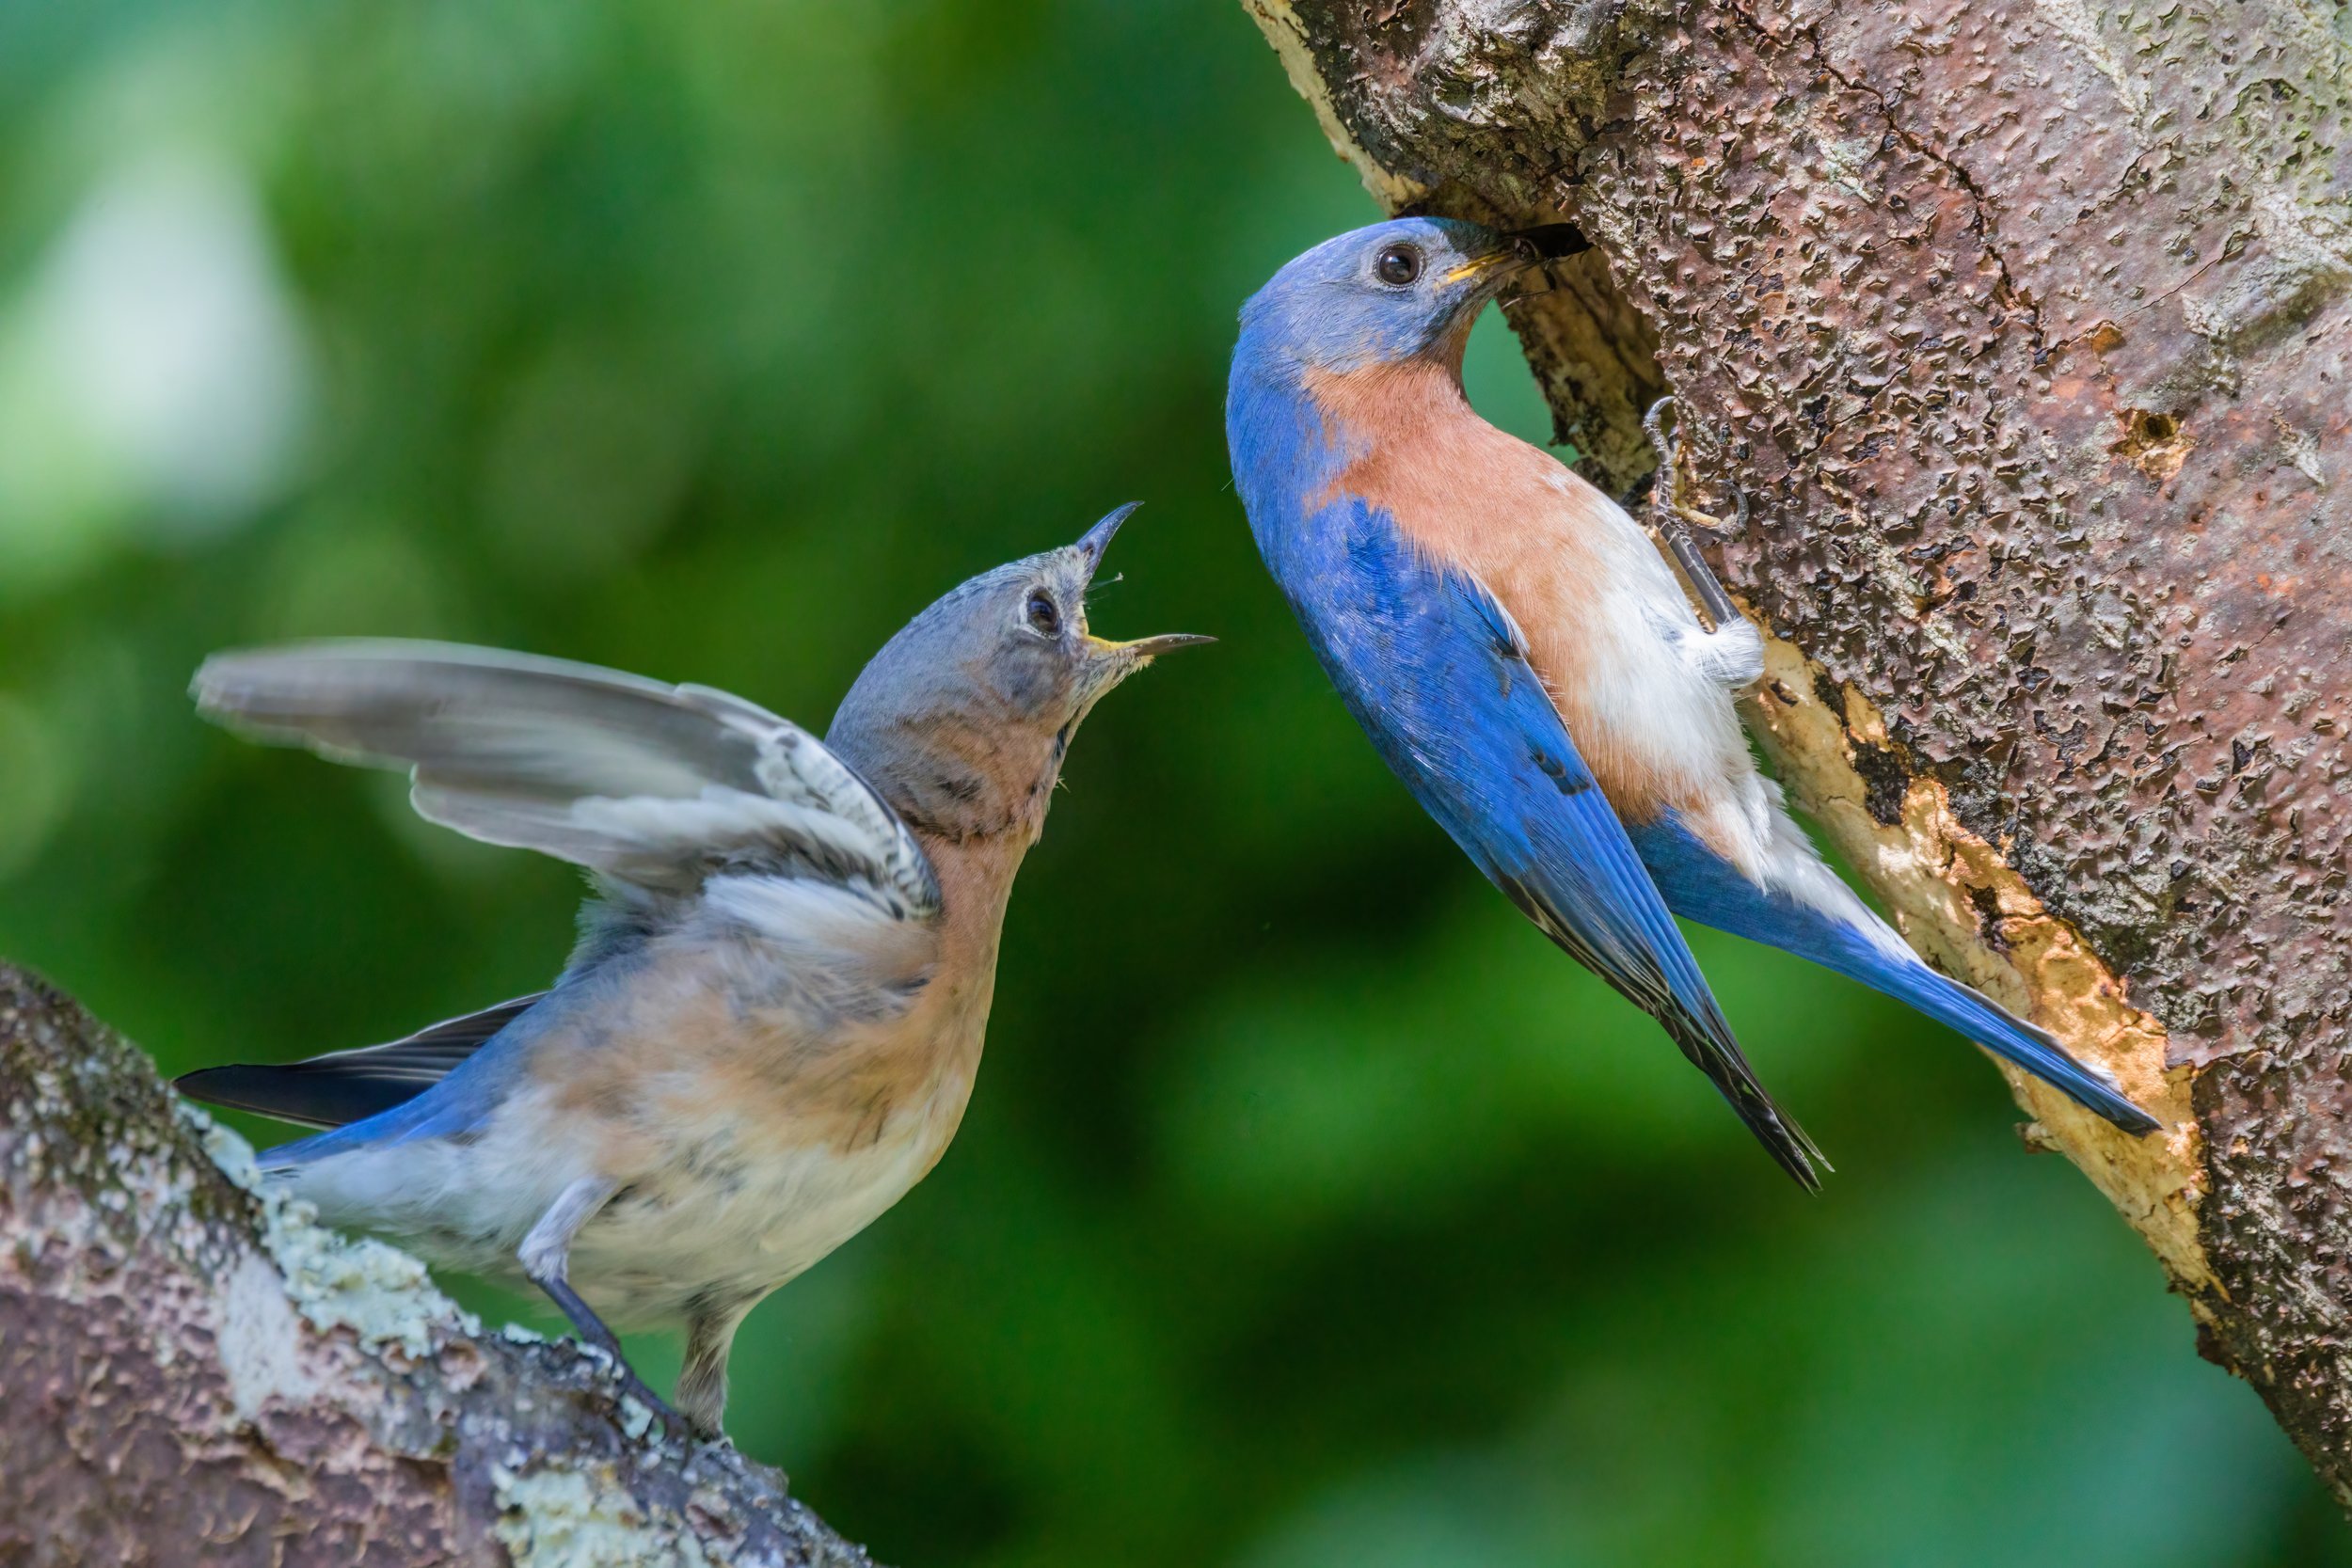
(1700, 885)
(1972, 1013)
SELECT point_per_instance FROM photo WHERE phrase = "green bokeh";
(1312, 1210)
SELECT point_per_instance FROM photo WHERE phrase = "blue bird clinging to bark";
(769, 1028)
(1523, 657)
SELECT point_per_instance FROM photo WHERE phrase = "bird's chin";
(1106, 672)
(1100, 678)
(1452, 339)
(1497, 284)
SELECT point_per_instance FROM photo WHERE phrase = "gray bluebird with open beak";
(769, 1028)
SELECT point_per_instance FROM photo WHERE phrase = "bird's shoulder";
(1431, 660)
(766, 942)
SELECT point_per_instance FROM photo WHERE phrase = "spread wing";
(1434, 671)
(652, 784)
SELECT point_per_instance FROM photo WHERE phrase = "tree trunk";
(2025, 324)
(191, 1373)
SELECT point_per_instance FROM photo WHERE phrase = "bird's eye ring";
(1399, 264)
(1044, 618)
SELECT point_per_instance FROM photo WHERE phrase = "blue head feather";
(1335, 309)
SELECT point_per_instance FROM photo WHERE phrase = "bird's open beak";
(1098, 538)
(1151, 647)
(1132, 654)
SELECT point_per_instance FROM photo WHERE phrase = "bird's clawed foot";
(1670, 496)
(674, 1422)
(1675, 516)
(592, 1329)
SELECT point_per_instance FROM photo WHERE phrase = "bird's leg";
(1675, 517)
(702, 1384)
(545, 1259)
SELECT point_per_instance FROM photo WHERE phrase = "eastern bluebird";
(1523, 657)
(769, 1027)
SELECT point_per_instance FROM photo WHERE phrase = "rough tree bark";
(193, 1375)
(2024, 323)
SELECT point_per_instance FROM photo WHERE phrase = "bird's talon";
(1654, 426)
(1676, 519)
(1713, 527)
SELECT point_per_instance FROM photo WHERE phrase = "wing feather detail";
(655, 785)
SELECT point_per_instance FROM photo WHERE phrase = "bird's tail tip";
(1714, 1052)
(2040, 1056)
(2037, 1051)
(2023, 1044)
(2097, 1092)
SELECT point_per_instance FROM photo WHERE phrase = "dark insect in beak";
(1548, 242)
(1536, 248)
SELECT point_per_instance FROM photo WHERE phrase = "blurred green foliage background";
(1311, 1209)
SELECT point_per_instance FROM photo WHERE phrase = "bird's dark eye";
(1398, 265)
(1044, 618)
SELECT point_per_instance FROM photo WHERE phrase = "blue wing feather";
(1435, 672)
(352, 1086)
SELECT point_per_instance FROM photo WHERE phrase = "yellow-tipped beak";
(1524, 249)
(1493, 261)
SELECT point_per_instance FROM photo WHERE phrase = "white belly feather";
(748, 1126)
(699, 1222)
(1664, 691)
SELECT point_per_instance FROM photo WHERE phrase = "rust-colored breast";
(1484, 502)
